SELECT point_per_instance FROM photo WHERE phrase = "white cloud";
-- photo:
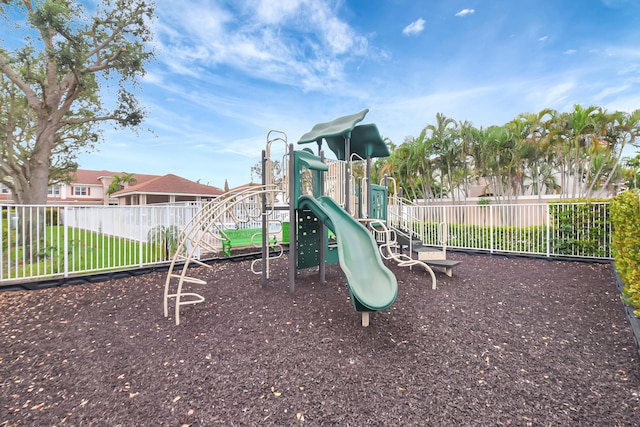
(570, 51)
(624, 52)
(276, 11)
(301, 43)
(552, 93)
(543, 38)
(152, 78)
(616, 3)
(415, 27)
(606, 92)
(465, 12)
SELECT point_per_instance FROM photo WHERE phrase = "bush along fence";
(578, 229)
(625, 214)
(581, 227)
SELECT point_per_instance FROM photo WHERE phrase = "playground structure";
(318, 209)
(405, 223)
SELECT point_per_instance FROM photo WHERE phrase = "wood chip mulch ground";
(505, 341)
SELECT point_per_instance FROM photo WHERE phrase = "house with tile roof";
(90, 187)
(166, 189)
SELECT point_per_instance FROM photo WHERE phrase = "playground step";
(405, 241)
(446, 264)
(427, 253)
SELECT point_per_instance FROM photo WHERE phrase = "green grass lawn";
(79, 250)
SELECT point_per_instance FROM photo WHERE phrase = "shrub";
(505, 238)
(51, 216)
(579, 227)
(625, 215)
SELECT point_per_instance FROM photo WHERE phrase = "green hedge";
(625, 214)
(579, 227)
(505, 238)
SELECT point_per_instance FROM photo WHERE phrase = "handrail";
(389, 243)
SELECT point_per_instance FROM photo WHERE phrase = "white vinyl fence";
(38, 242)
(53, 241)
(580, 230)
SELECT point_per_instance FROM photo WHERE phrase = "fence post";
(490, 228)
(141, 231)
(422, 218)
(65, 233)
(548, 222)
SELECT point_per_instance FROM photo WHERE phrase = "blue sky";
(228, 72)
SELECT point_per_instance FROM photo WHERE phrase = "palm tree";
(580, 130)
(402, 167)
(165, 237)
(120, 182)
(420, 162)
(535, 150)
(576, 152)
(632, 171)
(468, 136)
(447, 151)
(623, 129)
(496, 156)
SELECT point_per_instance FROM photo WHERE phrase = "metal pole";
(347, 181)
(323, 229)
(368, 188)
(265, 249)
(293, 224)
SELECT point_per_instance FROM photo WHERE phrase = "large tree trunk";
(31, 189)
(37, 173)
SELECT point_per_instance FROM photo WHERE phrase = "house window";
(80, 191)
(53, 190)
(5, 189)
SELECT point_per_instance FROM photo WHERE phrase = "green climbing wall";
(309, 242)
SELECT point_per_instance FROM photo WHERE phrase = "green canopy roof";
(339, 126)
(365, 139)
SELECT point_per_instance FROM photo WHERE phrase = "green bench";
(245, 237)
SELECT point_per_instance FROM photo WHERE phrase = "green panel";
(340, 126)
(244, 237)
(309, 242)
(365, 142)
(378, 202)
(285, 232)
(331, 255)
(312, 162)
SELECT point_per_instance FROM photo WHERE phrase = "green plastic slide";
(371, 284)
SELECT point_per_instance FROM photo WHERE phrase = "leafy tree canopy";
(56, 61)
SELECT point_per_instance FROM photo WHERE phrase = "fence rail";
(581, 230)
(38, 242)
